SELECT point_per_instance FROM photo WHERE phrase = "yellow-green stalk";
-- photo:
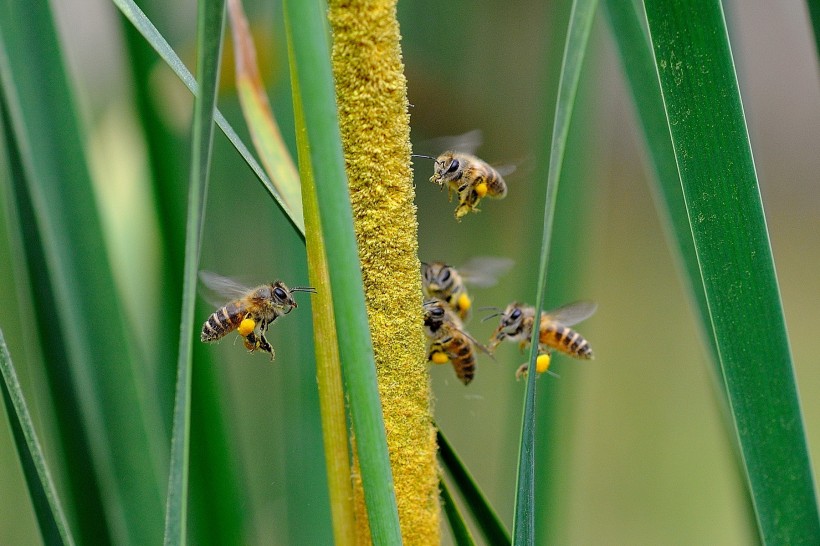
(371, 93)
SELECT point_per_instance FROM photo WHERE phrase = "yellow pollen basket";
(542, 363)
(439, 358)
(481, 189)
(464, 302)
(246, 327)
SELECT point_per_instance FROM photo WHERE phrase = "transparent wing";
(467, 143)
(484, 271)
(572, 313)
(220, 289)
(505, 170)
(476, 343)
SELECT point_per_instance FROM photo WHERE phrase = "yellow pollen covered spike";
(246, 327)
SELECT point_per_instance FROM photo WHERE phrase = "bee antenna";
(488, 308)
(488, 317)
(424, 156)
(303, 289)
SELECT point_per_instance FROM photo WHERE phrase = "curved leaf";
(717, 173)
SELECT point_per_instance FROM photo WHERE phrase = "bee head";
(510, 325)
(446, 168)
(511, 318)
(281, 297)
(435, 315)
(438, 278)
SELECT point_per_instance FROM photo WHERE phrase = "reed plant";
(123, 428)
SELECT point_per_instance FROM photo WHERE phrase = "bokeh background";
(635, 445)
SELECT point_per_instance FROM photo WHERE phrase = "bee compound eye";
(445, 274)
(454, 165)
(280, 293)
(515, 315)
(437, 312)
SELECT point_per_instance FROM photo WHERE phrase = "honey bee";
(469, 177)
(248, 309)
(449, 341)
(448, 284)
(554, 329)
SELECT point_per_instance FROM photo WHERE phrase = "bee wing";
(220, 289)
(467, 143)
(572, 313)
(476, 343)
(505, 170)
(484, 271)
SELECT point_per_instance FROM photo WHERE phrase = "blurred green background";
(638, 449)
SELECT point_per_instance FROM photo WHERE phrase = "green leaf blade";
(580, 25)
(50, 516)
(719, 181)
(259, 115)
(461, 533)
(304, 20)
(485, 517)
(211, 20)
(137, 18)
(95, 374)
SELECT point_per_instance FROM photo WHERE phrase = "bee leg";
(265, 346)
(254, 343)
(250, 341)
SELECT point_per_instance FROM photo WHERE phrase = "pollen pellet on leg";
(542, 363)
(439, 358)
(246, 326)
(481, 189)
(464, 302)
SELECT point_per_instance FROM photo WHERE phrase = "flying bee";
(554, 332)
(248, 309)
(449, 341)
(448, 284)
(469, 177)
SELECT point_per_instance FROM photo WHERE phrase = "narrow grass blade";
(49, 512)
(524, 519)
(210, 23)
(580, 24)
(461, 533)
(814, 12)
(84, 492)
(259, 116)
(217, 507)
(717, 173)
(166, 168)
(77, 305)
(304, 20)
(328, 364)
(483, 514)
(135, 15)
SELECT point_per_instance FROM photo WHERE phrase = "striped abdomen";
(223, 321)
(496, 187)
(460, 351)
(565, 340)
